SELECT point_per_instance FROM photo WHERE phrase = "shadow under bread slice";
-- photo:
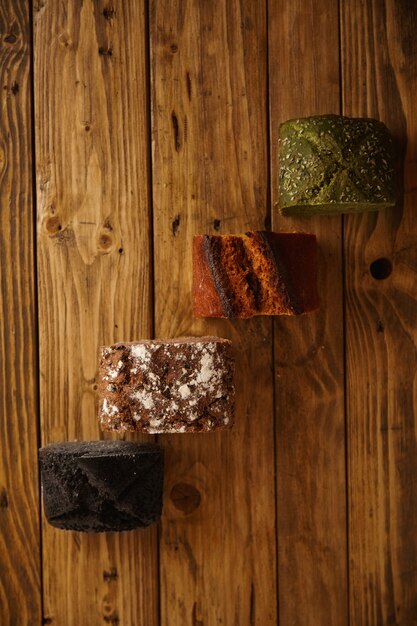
(258, 273)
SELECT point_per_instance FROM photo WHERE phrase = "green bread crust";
(333, 164)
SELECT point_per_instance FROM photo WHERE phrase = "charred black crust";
(271, 250)
(254, 285)
(211, 248)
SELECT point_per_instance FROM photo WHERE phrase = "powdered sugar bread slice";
(167, 386)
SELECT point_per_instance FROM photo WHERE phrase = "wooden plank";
(311, 481)
(217, 550)
(20, 564)
(379, 76)
(94, 272)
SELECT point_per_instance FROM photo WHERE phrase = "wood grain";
(379, 64)
(221, 527)
(311, 481)
(20, 567)
(217, 550)
(94, 272)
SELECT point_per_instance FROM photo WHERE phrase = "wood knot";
(174, 48)
(12, 35)
(109, 13)
(53, 225)
(175, 224)
(105, 242)
(185, 497)
(110, 575)
(216, 224)
(106, 52)
(195, 621)
(380, 327)
(176, 129)
(65, 40)
(189, 85)
(381, 268)
(4, 500)
(105, 238)
(112, 619)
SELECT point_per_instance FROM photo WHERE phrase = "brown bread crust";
(205, 295)
(259, 273)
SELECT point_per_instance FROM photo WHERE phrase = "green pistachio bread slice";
(334, 164)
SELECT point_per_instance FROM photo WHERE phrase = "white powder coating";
(184, 391)
(141, 352)
(206, 368)
(172, 386)
(145, 398)
(113, 373)
(109, 409)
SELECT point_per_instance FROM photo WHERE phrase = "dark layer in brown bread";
(258, 273)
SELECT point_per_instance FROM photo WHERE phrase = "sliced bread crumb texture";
(97, 486)
(183, 385)
(258, 273)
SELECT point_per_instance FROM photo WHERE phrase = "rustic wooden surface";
(217, 542)
(155, 120)
(20, 580)
(94, 269)
(379, 59)
(309, 389)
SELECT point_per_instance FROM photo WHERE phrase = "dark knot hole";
(381, 268)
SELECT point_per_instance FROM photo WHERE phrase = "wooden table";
(126, 128)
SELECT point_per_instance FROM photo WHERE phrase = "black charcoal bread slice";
(334, 164)
(97, 486)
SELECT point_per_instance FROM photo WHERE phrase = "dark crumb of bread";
(99, 486)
